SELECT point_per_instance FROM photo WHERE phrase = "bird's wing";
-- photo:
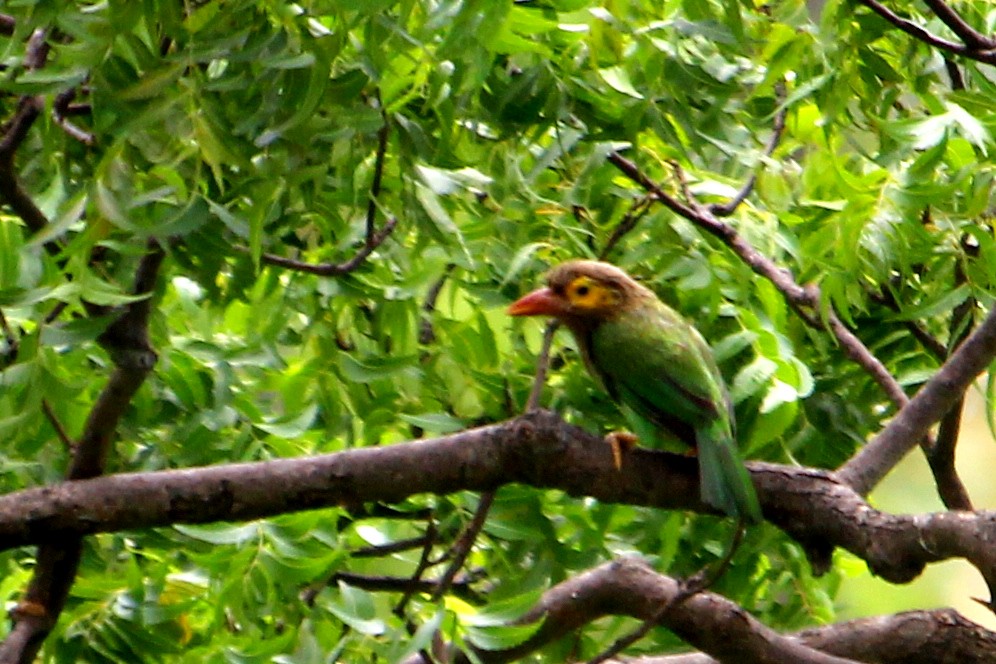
(655, 362)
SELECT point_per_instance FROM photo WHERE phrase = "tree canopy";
(260, 399)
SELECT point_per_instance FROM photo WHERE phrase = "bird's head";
(581, 290)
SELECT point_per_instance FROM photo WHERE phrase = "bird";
(656, 365)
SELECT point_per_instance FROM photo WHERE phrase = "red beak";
(541, 302)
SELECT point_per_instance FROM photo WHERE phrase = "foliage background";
(233, 132)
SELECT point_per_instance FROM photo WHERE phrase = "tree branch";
(426, 333)
(717, 626)
(542, 366)
(14, 133)
(973, 38)
(701, 217)
(461, 549)
(942, 455)
(537, 449)
(987, 55)
(7, 25)
(58, 559)
(867, 468)
(912, 637)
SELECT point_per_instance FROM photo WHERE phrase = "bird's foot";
(621, 442)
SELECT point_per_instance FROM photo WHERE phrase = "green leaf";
(502, 637)
(618, 79)
(441, 423)
(291, 426)
(221, 534)
(752, 378)
(943, 302)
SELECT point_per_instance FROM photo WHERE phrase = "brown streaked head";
(581, 290)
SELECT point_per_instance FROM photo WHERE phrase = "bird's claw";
(620, 442)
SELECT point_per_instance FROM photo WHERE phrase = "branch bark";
(867, 468)
(58, 559)
(537, 449)
(976, 47)
(727, 633)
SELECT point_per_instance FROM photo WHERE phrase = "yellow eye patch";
(586, 293)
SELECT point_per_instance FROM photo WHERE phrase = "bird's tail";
(725, 482)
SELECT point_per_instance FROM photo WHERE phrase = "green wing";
(660, 367)
(655, 362)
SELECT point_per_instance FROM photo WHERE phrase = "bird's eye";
(582, 291)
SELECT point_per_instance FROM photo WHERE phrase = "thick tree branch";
(867, 468)
(629, 586)
(726, 632)
(912, 637)
(537, 449)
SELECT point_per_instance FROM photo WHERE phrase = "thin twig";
(461, 549)
(859, 353)
(542, 366)
(426, 333)
(431, 533)
(373, 237)
(777, 129)
(941, 458)
(10, 339)
(459, 588)
(378, 175)
(381, 550)
(14, 133)
(333, 269)
(954, 73)
(60, 113)
(701, 217)
(637, 211)
(929, 342)
(57, 425)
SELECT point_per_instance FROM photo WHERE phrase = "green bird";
(654, 363)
